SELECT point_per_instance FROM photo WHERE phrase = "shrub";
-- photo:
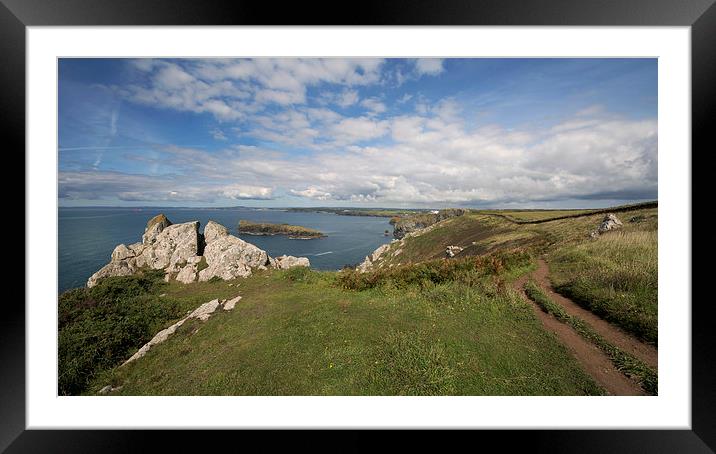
(467, 270)
(102, 326)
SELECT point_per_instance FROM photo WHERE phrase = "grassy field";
(302, 332)
(414, 324)
(615, 276)
(534, 215)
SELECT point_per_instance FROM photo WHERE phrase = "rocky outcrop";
(154, 228)
(406, 225)
(367, 264)
(452, 251)
(202, 313)
(229, 305)
(171, 248)
(214, 230)
(178, 249)
(610, 222)
(288, 261)
(188, 274)
(121, 268)
(230, 257)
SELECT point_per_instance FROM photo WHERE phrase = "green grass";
(614, 276)
(534, 215)
(300, 332)
(415, 324)
(623, 361)
(102, 326)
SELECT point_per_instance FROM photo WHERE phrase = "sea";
(88, 235)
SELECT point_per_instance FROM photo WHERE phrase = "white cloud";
(312, 193)
(231, 89)
(347, 98)
(352, 130)
(429, 155)
(373, 105)
(405, 98)
(429, 66)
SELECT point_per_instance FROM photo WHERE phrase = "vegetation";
(538, 216)
(615, 276)
(468, 271)
(302, 332)
(623, 361)
(406, 224)
(104, 325)
(293, 231)
(414, 324)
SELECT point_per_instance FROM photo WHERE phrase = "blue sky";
(357, 132)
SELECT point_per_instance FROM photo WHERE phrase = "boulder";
(229, 257)
(229, 305)
(120, 268)
(154, 227)
(187, 274)
(204, 311)
(136, 248)
(121, 252)
(173, 244)
(285, 262)
(452, 251)
(610, 222)
(213, 231)
(196, 259)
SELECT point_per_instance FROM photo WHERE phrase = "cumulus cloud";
(373, 105)
(429, 66)
(305, 144)
(426, 161)
(231, 89)
(347, 98)
(218, 134)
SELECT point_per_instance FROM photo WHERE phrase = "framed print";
(442, 218)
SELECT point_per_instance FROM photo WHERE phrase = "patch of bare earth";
(593, 360)
(612, 333)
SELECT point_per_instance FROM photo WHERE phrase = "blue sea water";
(87, 236)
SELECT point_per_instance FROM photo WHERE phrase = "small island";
(295, 232)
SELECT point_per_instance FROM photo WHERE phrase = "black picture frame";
(700, 15)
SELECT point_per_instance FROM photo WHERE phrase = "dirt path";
(613, 334)
(594, 361)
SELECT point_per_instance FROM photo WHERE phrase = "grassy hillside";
(302, 332)
(614, 275)
(414, 324)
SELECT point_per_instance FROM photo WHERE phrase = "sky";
(430, 133)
